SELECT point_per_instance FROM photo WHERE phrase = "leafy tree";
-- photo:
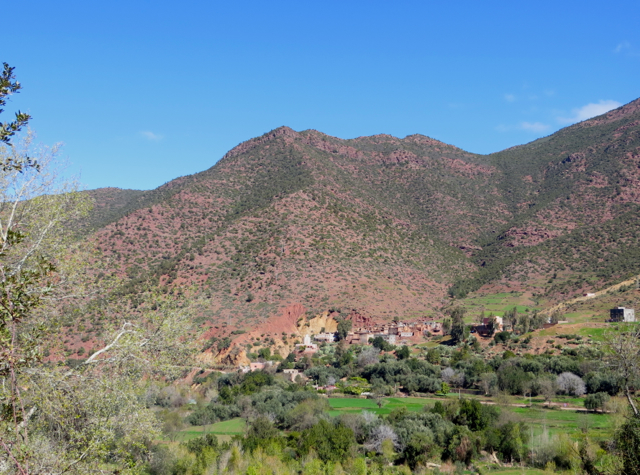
(548, 388)
(433, 356)
(623, 357)
(306, 413)
(488, 382)
(512, 378)
(344, 327)
(602, 382)
(596, 401)
(57, 419)
(390, 372)
(381, 344)
(171, 423)
(261, 433)
(8, 86)
(457, 325)
(462, 446)
(446, 326)
(628, 445)
(331, 442)
(471, 414)
(403, 353)
(419, 450)
(502, 337)
(513, 437)
(421, 383)
(511, 317)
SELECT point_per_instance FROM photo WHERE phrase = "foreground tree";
(8, 86)
(33, 267)
(54, 419)
(623, 358)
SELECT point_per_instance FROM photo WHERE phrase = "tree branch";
(110, 345)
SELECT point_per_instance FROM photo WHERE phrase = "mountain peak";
(282, 131)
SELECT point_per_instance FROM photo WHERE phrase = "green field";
(224, 430)
(558, 421)
(539, 418)
(596, 334)
(497, 304)
(355, 405)
(519, 471)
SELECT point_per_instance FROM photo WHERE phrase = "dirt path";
(582, 298)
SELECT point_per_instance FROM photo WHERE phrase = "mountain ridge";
(385, 225)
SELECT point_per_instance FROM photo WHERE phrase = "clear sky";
(141, 92)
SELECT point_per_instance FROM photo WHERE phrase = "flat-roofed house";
(621, 314)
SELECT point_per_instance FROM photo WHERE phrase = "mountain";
(574, 197)
(387, 226)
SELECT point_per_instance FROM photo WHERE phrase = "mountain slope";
(381, 224)
(575, 196)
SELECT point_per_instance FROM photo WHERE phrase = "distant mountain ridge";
(384, 225)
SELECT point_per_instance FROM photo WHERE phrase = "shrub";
(502, 337)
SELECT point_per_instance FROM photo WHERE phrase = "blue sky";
(141, 92)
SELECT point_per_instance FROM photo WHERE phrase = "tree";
(523, 324)
(623, 358)
(547, 387)
(596, 401)
(381, 344)
(570, 383)
(433, 356)
(471, 415)
(37, 263)
(446, 326)
(224, 343)
(379, 435)
(556, 316)
(56, 419)
(488, 382)
(481, 316)
(403, 353)
(344, 327)
(8, 86)
(369, 355)
(171, 423)
(627, 440)
(331, 442)
(420, 448)
(453, 378)
(511, 316)
(457, 325)
(492, 324)
(261, 433)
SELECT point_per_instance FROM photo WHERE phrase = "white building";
(328, 337)
(307, 346)
(621, 314)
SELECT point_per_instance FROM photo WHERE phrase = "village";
(365, 331)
